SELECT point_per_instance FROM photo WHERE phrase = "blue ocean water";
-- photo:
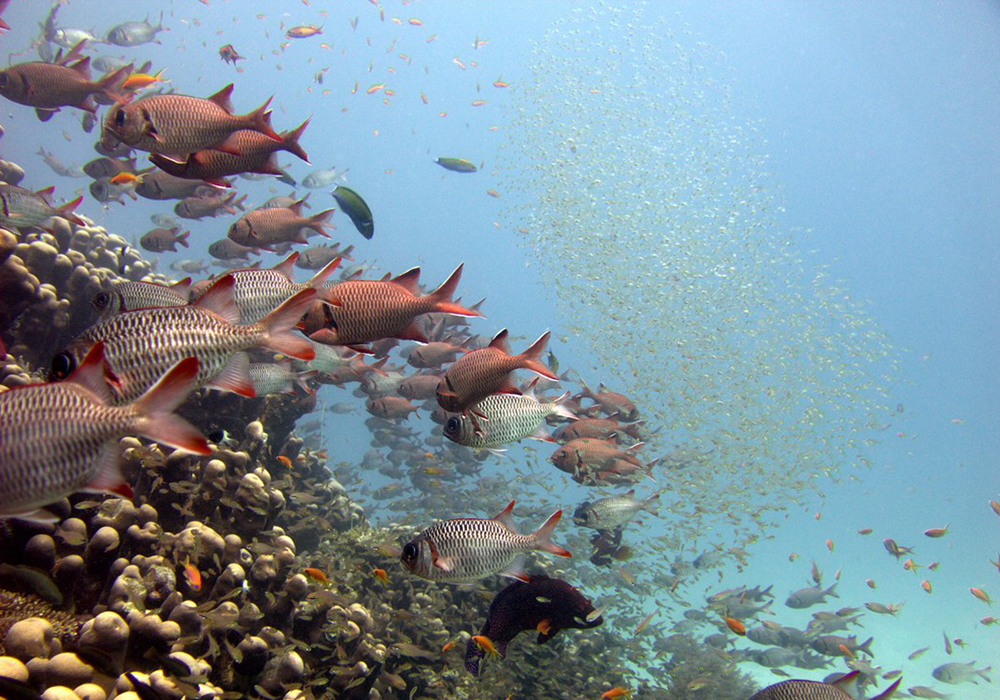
(879, 129)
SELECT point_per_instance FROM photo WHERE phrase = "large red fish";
(49, 86)
(182, 124)
(256, 155)
(477, 374)
(367, 310)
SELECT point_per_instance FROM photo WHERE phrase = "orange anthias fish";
(192, 575)
(981, 594)
(138, 81)
(228, 54)
(937, 531)
(486, 645)
(735, 626)
(617, 692)
(381, 575)
(126, 178)
(315, 574)
(285, 461)
(303, 31)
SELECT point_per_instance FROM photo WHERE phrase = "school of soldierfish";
(408, 349)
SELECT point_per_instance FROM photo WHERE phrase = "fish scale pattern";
(131, 295)
(478, 374)
(183, 124)
(259, 292)
(801, 690)
(68, 427)
(140, 346)
(509, 417)
(477, 548)
(372, 309)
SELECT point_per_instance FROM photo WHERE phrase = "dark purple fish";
(542, 603)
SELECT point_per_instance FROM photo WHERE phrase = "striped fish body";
(464, 550)
(57, 438)
(21, 208)
(814, 690)
(132, 295)
(420, 387)
(477, 374)
(255, 155)
(140, 345)
(181, 124)
(276, 378)
(501, 418)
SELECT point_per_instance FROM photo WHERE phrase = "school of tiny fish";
(704, 411)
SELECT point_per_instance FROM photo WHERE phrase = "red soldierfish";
(182, 124)
(363, 311)
(256, 155)
(59, 438)
(479, 373)
(261, 228)
(49, 86)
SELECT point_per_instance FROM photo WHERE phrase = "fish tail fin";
(317, 280)
(542, 535)
(261, 120)
(155, 409)
(290, 140)
(983, 674)
(66, 211)
(888, 692)
(561, 410)
(831, 591)
(440, 299)
(183, 239)
(866, 647)
(530, 357)
(317, 221)
(277, 327)
(109, 84)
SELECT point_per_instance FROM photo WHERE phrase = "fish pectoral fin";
(444, 563)
(40, 516)
(516, 569)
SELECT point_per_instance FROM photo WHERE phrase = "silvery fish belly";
(472, 549)
(132, 295)
(141, 345)
(500, 418)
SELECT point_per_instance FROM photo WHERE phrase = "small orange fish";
(793, 556)
(374, 88)
(845, 651)
(865, 531)
(870, 583)
(937, 531)
(735, 626)
(192, 575)
(458, 63)
(478, 103)
(416, 22)
(493, 193)
(423, 98)
(987, 621)
(499, 84)
(125, 178)
(315, 574)
(284, 460)
(995, 507)
(303, 32)
(981, 594)
(933, 566)
(137, 81)
(910, 565)
(486, 645)
(381, 575)
(431, 38)
(829, 545)
(617, 692)
(926, 585)
(448, 646)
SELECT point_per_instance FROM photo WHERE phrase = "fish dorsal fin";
(499, 342)
(91, 374)
(408, 280)
(46, 192)
(285, 267)
(505, 517)
(296, 206)
(219, 299)
(182, 287)
(82, 67)
(221, 98)
(848, 683)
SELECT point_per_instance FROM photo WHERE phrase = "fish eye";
(410, 552)
(62, 366)
(120, 117)
(102, 300)
(217, 436)
(452, 425)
